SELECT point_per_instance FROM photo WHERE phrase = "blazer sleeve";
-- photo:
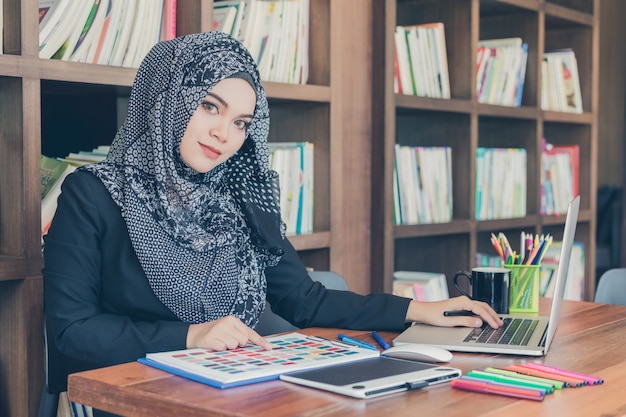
(99, 308)
(294, 296)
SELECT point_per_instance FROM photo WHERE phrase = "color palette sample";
(252, 363)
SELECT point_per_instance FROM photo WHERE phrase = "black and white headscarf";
(203, 240)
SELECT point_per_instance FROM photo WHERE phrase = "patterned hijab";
(203, 240)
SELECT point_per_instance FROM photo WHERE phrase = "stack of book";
(421, 61)
(293, 161)
(54, 171)
(486, 260)
(108, 32)
(422, 184)
(560, 85)
(500, 71)
(559, 177)
(500, 183)
(275, 32)
(421, 286)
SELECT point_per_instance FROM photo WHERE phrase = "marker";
(591, 380)
(569, 382)
(356, 342)
(506, 379)
(493, 388)
(504, 384)
(556, 384)
(380, 340)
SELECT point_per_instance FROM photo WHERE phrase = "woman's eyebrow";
(218, 98)
(225, 104)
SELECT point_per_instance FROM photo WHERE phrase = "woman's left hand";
(431, 312)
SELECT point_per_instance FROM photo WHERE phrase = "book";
(50, 13)
(421, 60)
(562, 83)
(224, 16)
(424, 184)
(53, 172)
(575, 284)
(500, 71)
(110, 28)
(251, 363)
(89, 33)
(500, 183)
(421, 286)
(62, 31)
(124, 32)
(559, 179)
(139, 27)
(293, 161)
(150, 31)
(168, 25)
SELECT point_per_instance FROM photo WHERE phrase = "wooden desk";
(590, 339)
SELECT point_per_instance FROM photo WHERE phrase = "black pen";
(457, 313)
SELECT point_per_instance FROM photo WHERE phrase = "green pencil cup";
(524, 288)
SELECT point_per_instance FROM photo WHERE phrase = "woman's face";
(217, 129)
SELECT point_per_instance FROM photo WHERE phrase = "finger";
(487, 314)
(464, 322)
(480, 309)
(259, 340)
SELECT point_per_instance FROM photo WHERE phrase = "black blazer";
(101, 311)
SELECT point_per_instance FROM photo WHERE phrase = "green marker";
(553, 382)
(548, 388)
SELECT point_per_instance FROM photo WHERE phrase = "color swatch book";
(251, 363)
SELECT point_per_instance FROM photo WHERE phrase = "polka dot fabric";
(203, 240)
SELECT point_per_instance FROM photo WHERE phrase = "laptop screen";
(561, 274)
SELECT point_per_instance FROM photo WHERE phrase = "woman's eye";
(209, 106)
(241, 124)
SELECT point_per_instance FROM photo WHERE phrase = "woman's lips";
(210, 151)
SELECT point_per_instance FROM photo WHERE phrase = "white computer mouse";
(418, 352)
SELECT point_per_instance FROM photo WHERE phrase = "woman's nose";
(220, 131)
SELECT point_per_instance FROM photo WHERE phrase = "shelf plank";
(579, 118)
(318, 240)
(13, 268)
(404, 101)
(291, 92)
(556, 11)
(524, 112)
(434, 229)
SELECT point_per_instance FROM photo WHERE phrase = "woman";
(175, 240)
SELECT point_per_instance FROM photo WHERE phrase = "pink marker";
(591, 380)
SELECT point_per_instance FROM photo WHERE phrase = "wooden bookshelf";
(464, 124)
(56, 107)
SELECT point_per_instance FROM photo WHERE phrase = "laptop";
(524, 335)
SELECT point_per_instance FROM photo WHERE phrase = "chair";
(271, 323)
(612, 287)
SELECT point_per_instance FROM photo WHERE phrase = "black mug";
(488, 284)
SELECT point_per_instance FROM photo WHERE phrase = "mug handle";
(458, 287)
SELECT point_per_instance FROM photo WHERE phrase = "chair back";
(271, 323)
(612, 287)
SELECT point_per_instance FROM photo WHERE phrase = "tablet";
(368, 378)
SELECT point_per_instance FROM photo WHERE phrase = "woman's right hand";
(223, 334)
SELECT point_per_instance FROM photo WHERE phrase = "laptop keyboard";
(515, 331)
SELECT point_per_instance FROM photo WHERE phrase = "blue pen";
(355, 342)
(380, 340)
